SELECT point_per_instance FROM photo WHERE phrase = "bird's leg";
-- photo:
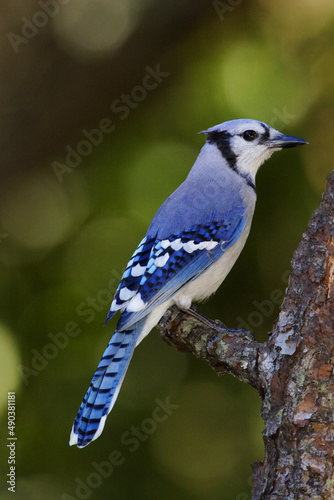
(193, 311)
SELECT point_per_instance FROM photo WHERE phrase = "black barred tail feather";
(105, 386)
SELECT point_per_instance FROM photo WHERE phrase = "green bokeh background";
(65, 240)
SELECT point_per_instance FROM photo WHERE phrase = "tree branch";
(227, 351)
(293, 370)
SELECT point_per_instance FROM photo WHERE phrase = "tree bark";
(293, 370)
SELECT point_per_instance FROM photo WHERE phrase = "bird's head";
(246, 144)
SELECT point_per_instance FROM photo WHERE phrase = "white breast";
(206, 284)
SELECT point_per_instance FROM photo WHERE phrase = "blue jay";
(189, 248)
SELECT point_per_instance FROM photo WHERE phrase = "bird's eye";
(249, 135)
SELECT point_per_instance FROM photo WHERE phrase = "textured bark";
(293, 371)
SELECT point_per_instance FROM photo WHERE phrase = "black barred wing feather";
(159, 268)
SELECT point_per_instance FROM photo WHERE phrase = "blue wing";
(157, 270)
(161, 267)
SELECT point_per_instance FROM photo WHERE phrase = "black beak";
(285, 141)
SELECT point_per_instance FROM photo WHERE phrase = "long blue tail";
(104, 387)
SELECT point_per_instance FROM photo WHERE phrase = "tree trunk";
(293, 370)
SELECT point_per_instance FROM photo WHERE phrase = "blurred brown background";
(100, 105)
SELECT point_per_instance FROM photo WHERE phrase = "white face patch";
(250, 154)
